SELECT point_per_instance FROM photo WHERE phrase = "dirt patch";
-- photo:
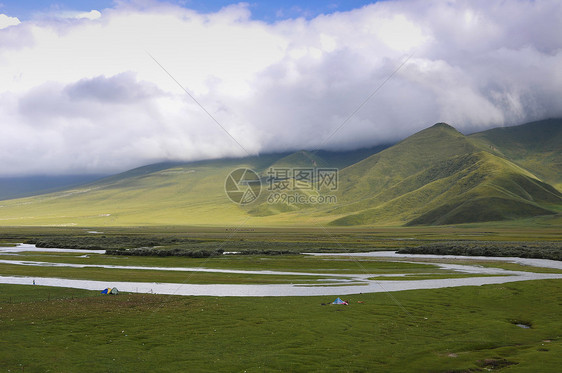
(495, 363)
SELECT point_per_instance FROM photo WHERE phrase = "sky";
(91, 87)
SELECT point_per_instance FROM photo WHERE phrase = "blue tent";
(110, 291)
(339, 301)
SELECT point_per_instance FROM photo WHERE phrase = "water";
(545, 263)
(276, 290)
(357, 283)
(173, 269)
(32, 248)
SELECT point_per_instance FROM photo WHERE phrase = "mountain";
(440, 176)
(24, 186)
(535, 146)
(436, 176)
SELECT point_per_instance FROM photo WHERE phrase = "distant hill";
(24, 186)
(436, 176)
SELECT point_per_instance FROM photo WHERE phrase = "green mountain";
(436, 176)
(440, 176)
(535, 146)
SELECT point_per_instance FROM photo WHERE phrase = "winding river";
(352, 284)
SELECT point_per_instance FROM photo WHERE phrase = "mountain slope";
(25, 186)
(439, 176)
(387, 168)
(165, 194)
(158, 194)
(535, 146)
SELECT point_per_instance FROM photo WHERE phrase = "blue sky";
(269, 11)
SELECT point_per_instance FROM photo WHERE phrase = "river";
(358, 283)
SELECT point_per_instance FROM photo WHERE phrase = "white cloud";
(91, 15)
(79, 93)
(6, 21)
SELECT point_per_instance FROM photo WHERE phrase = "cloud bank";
(79, 92)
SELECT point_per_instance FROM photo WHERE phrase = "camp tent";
(113, 291)
(339, 301)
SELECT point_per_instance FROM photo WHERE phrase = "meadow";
(463, 329)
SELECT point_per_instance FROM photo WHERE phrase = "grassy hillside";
(439, 176)
(157, 194)
(164, 194)
(391, 166)
(398, 162)
(469, 188)
(535, 146)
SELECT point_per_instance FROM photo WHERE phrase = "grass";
(519, 267)
(344, 238)
(535, 146)
(430, 276)
(465, 188)
(453, 329)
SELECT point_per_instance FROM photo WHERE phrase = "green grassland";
(297, 239)
(445, 330)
